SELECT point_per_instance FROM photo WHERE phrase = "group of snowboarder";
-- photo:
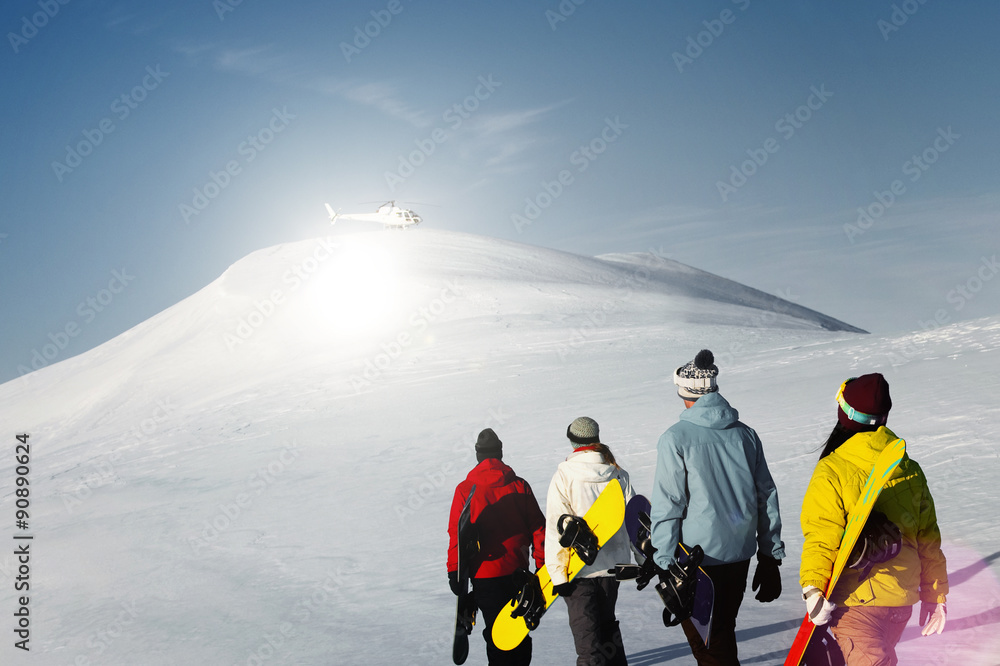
(712, 489)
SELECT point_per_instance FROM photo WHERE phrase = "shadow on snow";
(682, 650)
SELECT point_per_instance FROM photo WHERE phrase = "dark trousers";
(730, 581)
(492, 594)
(591, 606)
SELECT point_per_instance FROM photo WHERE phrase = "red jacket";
(507, 519)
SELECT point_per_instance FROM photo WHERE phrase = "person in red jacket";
(508, 524)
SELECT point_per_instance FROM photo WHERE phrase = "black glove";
(453, 583)
(767, 578)
(647, 571)
(564, 589)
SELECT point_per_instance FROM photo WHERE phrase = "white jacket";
(574, 488)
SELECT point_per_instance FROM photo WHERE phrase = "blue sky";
(147, 146)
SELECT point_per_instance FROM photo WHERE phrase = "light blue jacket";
(712, 488)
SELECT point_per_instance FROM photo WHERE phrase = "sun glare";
(357, 293)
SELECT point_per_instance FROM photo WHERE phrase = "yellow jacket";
(917, 573)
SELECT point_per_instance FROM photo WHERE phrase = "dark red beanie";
(867, 394)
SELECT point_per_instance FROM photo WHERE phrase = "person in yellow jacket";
(899, 563)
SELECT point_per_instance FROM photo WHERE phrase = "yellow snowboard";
(604, 518)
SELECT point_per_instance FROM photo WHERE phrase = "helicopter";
(389, 214)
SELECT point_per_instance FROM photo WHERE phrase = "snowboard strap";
(677, 588)
(880, 541)
(529, 602)
(575, 533)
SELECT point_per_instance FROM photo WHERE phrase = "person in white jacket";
(591, 596)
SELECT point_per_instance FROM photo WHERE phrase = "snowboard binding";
(644, 542)
(643, 573)
(880, 541)
(677, 588)
(529, 602)
(575, 533)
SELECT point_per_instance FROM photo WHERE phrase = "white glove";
(818, 607)
(937, 613)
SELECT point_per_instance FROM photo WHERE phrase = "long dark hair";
(838, 436)
(609, 458)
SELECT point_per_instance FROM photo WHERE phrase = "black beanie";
(488, 445)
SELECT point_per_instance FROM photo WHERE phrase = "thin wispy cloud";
(257, 61)
(382, 96)
(385, 98)
(508, 149)
(124, 18)
(194, 52)
(263, 62)
(511, 120)
(500, 140)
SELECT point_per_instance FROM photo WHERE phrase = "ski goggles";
(855, 415)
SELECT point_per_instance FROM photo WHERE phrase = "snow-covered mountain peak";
(250, 464)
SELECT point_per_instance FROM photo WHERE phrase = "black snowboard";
(465, 618)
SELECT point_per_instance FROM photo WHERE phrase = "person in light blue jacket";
(713, 489)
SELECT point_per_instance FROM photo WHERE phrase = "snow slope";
(262, 473)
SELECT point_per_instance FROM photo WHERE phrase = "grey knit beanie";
(583, 430)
